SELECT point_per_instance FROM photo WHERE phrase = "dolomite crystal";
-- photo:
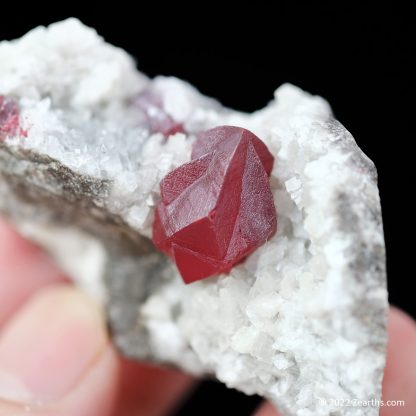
(302, 320)
(218, 208)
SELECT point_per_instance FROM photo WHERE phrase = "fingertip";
(400, 321)
(267, 409)
(24, 269)
(12, 242)
(95, 395)
(56, 351)
(400, 373)
(98, 391)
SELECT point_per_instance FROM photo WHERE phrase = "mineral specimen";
(224, 195)
(302, 321)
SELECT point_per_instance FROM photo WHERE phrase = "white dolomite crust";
(301, 322)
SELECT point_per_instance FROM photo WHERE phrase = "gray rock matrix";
(301, 322)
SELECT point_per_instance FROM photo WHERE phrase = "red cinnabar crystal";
(9, 118)
(158, 120)
(218, 208)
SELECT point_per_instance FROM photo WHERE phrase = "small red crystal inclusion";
(157, 119)
(9, 118)
(218, 208)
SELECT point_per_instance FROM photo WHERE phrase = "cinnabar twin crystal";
(9, 118)
(218, 208)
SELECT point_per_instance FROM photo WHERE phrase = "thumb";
(55, 358)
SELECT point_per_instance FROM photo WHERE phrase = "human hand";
(56, 357)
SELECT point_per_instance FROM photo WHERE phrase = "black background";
(359, 58)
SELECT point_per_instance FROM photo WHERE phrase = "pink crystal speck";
(9, 118)
(157, 119)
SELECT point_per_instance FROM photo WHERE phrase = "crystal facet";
(218, 208)
(9, 118)
(157, 119)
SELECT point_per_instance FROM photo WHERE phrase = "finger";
(150, 391)
(400, 375)
(55, 358)
(24, 268)
(267, 409)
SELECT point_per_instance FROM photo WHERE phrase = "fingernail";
(49, 345)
